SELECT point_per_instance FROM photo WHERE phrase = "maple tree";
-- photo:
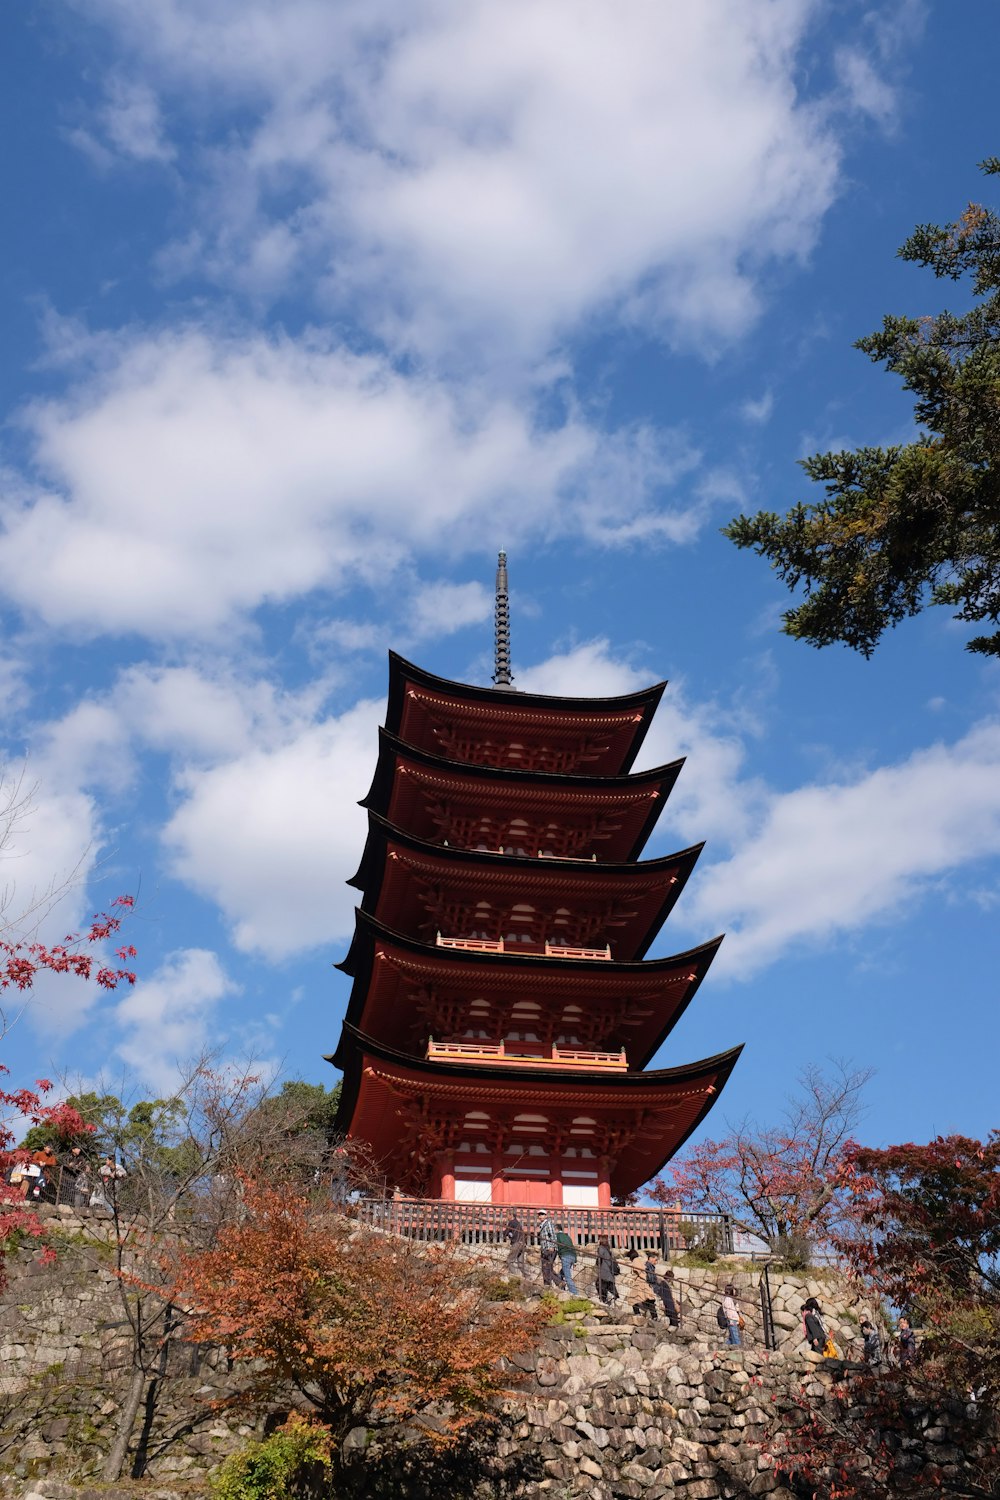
(366, 1329)
(923, 1235)
(79, 955)
(780, 1183)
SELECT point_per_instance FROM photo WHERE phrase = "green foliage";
(558, 1312)
(502, 1288)
(919, 523)
(703, 1242)
(292, 1462)
(307, 1106)
(793, 1251)
(151, 1133)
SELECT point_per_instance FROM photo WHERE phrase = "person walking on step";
(660, 1287)
(872, 1347)
(514, 1232)
(547, 1245)
(732, 1315)
(607, 1270)
(813, 1327)
(566, 1251)
(906, 1342)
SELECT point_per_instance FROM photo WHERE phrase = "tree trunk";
(115, 1461)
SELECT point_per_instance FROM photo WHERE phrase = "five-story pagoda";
(503, 1011)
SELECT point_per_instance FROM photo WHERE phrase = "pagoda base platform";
(638, 1229)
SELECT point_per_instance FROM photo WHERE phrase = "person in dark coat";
(872, 1343)
(514, 1232)
(813, 1327)
(907, 1342)
(74, 1163)
(607, 1269)
(660, 1287)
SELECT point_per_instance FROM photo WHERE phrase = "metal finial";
(502, 675)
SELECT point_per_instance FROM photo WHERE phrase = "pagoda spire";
(502, 676)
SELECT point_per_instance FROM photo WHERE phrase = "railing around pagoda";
(547, 949)
(627, 1229)
(498, 1052)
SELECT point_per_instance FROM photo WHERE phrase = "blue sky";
(308, 309)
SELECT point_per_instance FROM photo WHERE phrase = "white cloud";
(827, 860)
(132, 122)
(496, 172)
(270, 836)
(865, 89)
(191, 479)
(441, 608)
(163, 1022)
(758, 411)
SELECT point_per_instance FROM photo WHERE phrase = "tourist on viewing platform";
(607, 1270)
(733, 1316)
(74, 1165)
(566, 1251)
(111, 1173)
(547, 1244)
(514, 1232)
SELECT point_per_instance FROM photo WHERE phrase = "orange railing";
(496, 945)
(560, 950)
(497, 1052)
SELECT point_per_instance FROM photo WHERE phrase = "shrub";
(792, 1250)
(292, 1462)
(703, 1242)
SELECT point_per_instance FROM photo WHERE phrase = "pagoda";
(503, 1012)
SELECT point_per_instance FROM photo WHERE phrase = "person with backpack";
(566, 1251)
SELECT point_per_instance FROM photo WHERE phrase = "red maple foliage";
(780, 1183)
(20, 965)
(367, 1329)
(924, 1238)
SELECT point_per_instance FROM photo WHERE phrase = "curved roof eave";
(380, 831)
(401, 672)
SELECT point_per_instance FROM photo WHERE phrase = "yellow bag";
(830, 1349)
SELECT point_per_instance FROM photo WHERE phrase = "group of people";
(75, 1181)
(906, 1343)
(556, 1245)
(816, 1336)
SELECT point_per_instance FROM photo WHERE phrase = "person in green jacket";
(566, 1251)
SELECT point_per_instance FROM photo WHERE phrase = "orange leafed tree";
(368, 1329)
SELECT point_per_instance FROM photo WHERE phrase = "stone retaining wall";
(612, 1405)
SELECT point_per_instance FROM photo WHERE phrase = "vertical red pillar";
(498, 1190)
(604, 1182)
(447, 1169)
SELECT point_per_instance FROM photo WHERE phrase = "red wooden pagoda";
(503, 1013)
